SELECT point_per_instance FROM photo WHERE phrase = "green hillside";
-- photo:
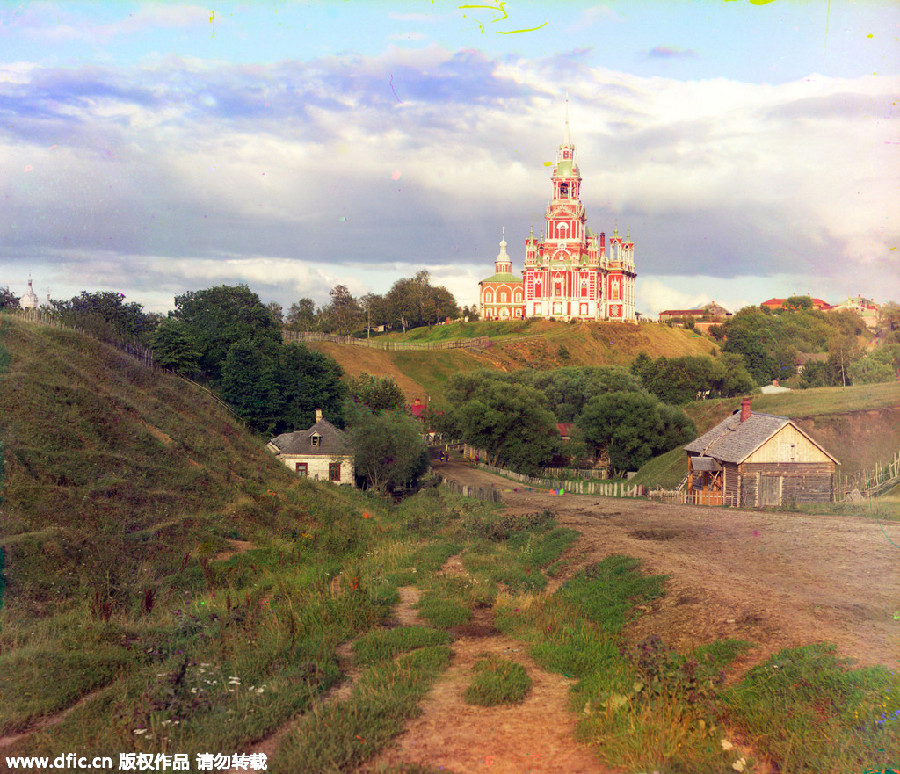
(537, 344)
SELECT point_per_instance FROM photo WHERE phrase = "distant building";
(864, 307)
(780, 303)
(711, 312)
(753, 459)
(568, 274)
(320, 452)
(29, 300)
(501, 293)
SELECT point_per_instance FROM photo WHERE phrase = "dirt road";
(776, 579)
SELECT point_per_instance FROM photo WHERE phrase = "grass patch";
(497, 681)
(442, 610)
(607, 592)
(830, 717)
(381, 644)
(345, 734)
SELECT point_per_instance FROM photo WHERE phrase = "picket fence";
(872, 481)
(390, 346)
(602, 488)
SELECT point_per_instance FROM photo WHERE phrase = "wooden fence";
(607, 488)
(873, 481)
(489, 494)
(683, 497)
(390, 346)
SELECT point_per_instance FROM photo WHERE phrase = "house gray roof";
(332, 442)
(733, 441)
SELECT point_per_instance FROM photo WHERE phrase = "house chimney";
(319, 415)
(745, 409)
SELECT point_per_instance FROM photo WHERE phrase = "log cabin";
(752, 459)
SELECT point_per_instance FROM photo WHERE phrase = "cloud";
(597, 15)
(188, 171)
(671, 52)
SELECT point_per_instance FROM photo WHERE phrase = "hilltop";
(538, 344)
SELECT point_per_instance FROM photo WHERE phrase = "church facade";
(570, 272)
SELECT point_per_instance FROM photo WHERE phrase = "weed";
(497, 681)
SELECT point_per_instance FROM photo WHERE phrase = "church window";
(502, 296)
(564, 190)
(518, 296)
(488, 297)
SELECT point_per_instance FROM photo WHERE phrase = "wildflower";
(726, 745)
(738, 765)
(140, 731)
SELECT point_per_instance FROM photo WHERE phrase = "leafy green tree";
(174, 349)
(309, 380)
(511, 422)
(277, 314)
(250, 382)
(880, 365)
(379, 393)
(389, 452)
(345, 314)
(684, 379)
(219, 317)
(632, 427)
(302, 315)
(794, 303)
(8, 299)
(414, 302)
(106, 316)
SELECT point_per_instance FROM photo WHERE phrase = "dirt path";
(534, 736)
(775, 579)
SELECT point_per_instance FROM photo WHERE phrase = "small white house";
(321, 452)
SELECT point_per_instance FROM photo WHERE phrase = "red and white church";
(570, 274)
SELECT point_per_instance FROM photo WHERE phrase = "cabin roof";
(733, 441)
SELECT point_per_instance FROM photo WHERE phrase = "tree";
(250, 382)
(308, 381)
(794, 303)
(8, 299)
(880, 365)
(684, 379)
(219, 317)
(173, 348)
(632, 427)
(106, 316)
(345, 313)
(302, 315)
(509, 421)
(379, 393)
(275, 310)
(414, 302)
(388, 450)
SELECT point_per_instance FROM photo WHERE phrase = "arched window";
(502, 296)
(518, 296)
(488, 297)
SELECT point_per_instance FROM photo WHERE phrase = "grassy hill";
(513, 345)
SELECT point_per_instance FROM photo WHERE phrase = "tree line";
(410, 303)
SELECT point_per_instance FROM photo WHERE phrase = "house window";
(301, 468)
(315, 440)
(334, 471)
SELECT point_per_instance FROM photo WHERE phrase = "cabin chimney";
(745, 409)
(319, 415)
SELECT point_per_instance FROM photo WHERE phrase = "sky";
(750, 149)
